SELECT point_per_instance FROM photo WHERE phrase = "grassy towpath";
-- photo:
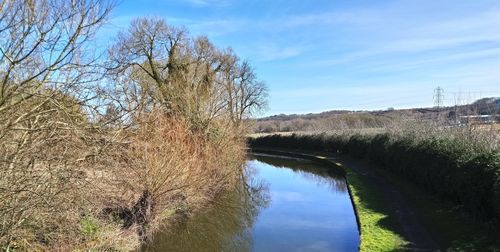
(387, 222)
(396, 215)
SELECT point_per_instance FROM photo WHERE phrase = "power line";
(438, 97)
(438, 100)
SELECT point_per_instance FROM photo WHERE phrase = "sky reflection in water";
(302, 207)
(308, 211)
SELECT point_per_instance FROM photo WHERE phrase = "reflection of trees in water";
(225, 226)
(334, 184)
(327, 176)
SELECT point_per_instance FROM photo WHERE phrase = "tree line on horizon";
(336, 120)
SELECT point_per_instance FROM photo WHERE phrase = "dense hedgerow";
(452, 168)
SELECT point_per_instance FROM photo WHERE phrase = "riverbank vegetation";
(457, 166)
(99, 150)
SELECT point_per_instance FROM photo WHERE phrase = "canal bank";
(288, 204)
(397, 215)
(376, 205)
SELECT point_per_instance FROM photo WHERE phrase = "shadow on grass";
(380, 230)
(450, 225)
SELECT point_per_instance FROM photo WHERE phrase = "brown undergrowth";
(148, 176)
(100, 150)
(166, 169)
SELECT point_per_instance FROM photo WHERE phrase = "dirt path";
(412, 229)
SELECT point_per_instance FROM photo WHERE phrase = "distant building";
(479, 119)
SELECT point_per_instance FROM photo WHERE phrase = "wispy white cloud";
(317, 246)
(443, 61)
(358, 17)
(468, 40)
(205, 3)
(290, 196)
(273, 52)
(311, 53)
(216, 27)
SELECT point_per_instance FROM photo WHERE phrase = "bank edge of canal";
(385, 221)
(322, 160)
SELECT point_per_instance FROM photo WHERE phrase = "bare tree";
(186, 76)
(64, 131)
(246, 94)
(46, 76)
(149, 55)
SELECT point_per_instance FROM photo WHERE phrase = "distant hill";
(346, 119)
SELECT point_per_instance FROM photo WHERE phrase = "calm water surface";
(286, 205)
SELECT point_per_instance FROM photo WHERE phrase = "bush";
(166, 166)
(455, 169)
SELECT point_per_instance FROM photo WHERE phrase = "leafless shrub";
(46, 76)
(171, 167)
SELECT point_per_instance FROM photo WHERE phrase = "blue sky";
(350, 54)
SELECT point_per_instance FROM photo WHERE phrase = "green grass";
(450, 227)
(89, 227)
(378, 230)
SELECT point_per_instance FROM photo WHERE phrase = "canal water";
(286, 204)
